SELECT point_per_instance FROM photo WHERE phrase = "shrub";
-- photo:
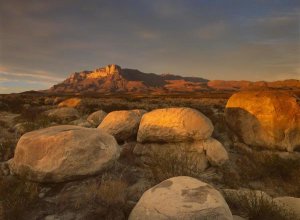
(7, 148)
(3, 124)
(11, 103)
(270, 169)
(16, 197)
(112, 191)
(108, 197)
(258, 206)
(183, 161)
(256, 165)
(33, 119)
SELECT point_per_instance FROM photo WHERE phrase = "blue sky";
(42, 42)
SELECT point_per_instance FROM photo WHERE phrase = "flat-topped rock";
(62, 153)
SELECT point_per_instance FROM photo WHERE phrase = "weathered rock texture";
(269, 119)
(181, 198)
(174, 125)
(61, 153)
(123, 125)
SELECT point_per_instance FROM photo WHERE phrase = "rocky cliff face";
(114, 79)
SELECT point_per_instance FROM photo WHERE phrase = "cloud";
(212, 31)
(212, 39)
(148, 35)
(32, 76)
(283, 26)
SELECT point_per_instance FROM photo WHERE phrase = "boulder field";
(62, 153)
(66, 152)
(268, 119)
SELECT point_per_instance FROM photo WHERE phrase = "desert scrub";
(257, 165)
(108, 197)
(7, 148)
(268, 168)
(184, 161)
(12, 103)
(255, 205)
(17, 197)
(33, 119)
(112, 191)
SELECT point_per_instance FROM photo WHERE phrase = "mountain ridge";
(113, 79)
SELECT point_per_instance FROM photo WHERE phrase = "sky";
(43, 41)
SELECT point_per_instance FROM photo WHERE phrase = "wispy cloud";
(32, 76)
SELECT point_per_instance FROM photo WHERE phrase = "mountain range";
(113, 79)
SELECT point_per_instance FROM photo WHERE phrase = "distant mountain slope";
(114, 79)
(238, 85)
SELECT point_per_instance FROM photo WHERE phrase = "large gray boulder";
(181, 197)
(62, 153)
(174, 125)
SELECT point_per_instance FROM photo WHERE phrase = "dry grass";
(7, 147)
(257, 206)
(112, 191)
(108, 197)
(181, 162)
(17, 197)
(269, 169)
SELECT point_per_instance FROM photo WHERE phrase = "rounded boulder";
(63, 114)
(267, 118)
(174, 125)
(123, 125)
(62, 153)
(96, 117)
(181, 197)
